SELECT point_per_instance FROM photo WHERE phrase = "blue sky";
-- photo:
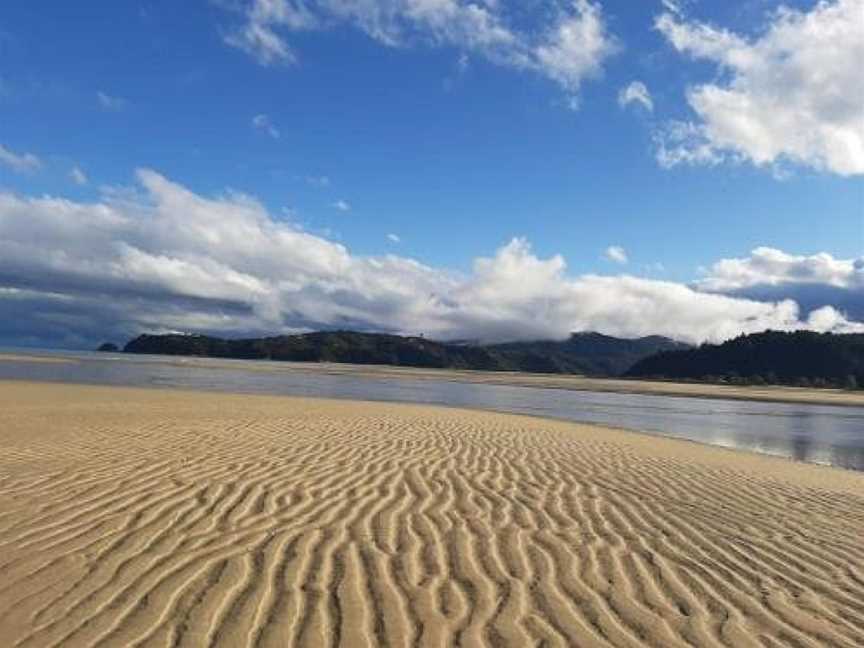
(360, 129)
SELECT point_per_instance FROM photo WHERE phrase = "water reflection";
(815, 433)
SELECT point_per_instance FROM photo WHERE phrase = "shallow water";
(814, 433)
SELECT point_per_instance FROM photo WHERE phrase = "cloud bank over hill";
(812, 281)
(159, 257)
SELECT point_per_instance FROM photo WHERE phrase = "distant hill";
(583, 353)
(800, 358)
(336, 346)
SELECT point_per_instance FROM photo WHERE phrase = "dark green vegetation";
(582, 353)
(801, 358)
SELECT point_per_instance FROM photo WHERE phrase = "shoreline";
(646, 435)
(767, 393)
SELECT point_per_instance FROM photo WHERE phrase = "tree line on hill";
(583, 353)
(799, 358)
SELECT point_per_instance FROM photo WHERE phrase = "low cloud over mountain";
(160, 257)
(812, 281)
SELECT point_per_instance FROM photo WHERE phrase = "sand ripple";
(136, 518)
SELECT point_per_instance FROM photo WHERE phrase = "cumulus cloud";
(569, 50)
(636, 92)
(160, 257)
(575, 47)
(814, 281)
(793, 93)
(264, 124)
(19, 162)
(394, 238)
(616, 254)
(767, 265)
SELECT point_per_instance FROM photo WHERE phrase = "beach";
(38, 359)
(144, 517)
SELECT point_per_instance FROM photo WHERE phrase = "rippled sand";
(151, 518)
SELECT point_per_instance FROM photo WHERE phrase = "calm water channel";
(814, 433)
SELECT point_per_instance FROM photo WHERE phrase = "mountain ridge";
(801, 358)
(587, 353)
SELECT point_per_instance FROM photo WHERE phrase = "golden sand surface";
(156, 518)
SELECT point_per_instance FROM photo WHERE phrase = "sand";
(39, 359)
(155, 518)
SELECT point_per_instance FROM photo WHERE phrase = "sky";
(486, 170)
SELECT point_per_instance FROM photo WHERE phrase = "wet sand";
(156, 518)
(24, 357)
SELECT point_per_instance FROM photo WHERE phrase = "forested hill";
(582, 353)
(800, 358)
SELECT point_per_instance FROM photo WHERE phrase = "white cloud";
(392, 22)
(162, 257)
(570, 50)
(794, 93)
(635, 92)
(394, 238)
(78, 176)
(770, 266)
(342, 206)
(685, 143)
(827, 319)
(262, 43)
(258, 37)
(617, 254)
(19, 162)
(674, 6)
(813, 281)
(576, 47)
(109, 102)
(264, 124)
